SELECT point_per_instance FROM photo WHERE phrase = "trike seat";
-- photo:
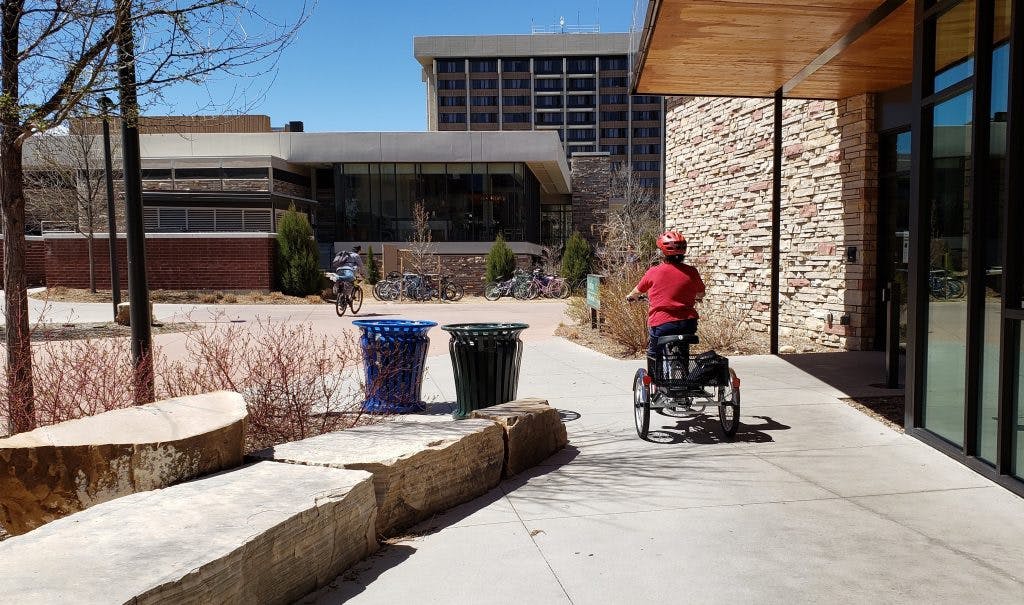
(687, 339)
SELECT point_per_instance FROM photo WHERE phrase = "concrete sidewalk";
(813, 502)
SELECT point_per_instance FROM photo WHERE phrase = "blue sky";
(352, 67)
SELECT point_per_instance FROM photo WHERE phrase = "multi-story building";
(575, 84)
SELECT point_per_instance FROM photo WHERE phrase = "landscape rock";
(533, 431)
(419, 469)
(124, 314)
(57, 470)
(265, 533)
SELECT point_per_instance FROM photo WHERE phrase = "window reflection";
(954, 45)
(947, 275)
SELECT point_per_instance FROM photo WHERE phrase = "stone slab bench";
(57, 470)
(264, 533)
(533, 432)
(419, 469)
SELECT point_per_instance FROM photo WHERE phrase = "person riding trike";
(672, 380)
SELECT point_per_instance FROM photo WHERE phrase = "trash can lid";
(484, 328)
(393, 325)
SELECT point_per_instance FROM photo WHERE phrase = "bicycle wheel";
(955, 287)
(448, 292)
(559, 289)
(341, 303)
(455, 291)
(356, 302)
(641, 404)
(377, 288)
(492, 291)
(388, 291)
(729, 410)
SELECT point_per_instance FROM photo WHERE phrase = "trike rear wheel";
(641, 404)
(729, 409)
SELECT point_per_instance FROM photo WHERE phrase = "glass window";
(646, 149)
(647, 132)
(995, 237)
(954, 45)
(548, 102)
(580, 117)
(452, 118)
(548, 84)
(483, 65)
(580, 65)
(617, 63)
(511, 100)
(646, 115)
(162, 174)
(646, 166)
(451, 84)
(483, 84)
(1018, 436)
(648, 182)
(580, 134)
(581, 149)
(197, 173)
(245, 173)
(613, 133)
(516, 83)
(614, 99)
(483, 118)
(516, 118)
(459, 101)
(450, 66)
(949, 181)
(614, 149)
(613, 82)
(580, 101)
(549, 118)
(547, 66)
(515, 65)
(614, 116)
(646, 100)
(485, 101)
(581, 84)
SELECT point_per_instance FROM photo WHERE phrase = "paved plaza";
(813, 501)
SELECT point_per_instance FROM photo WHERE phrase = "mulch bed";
(887, 410)
(60, 294)
(84, 331)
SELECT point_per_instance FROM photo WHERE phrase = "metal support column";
(108, 166)
(138, 289)
(776, 223)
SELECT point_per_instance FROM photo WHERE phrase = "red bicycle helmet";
(672, 242)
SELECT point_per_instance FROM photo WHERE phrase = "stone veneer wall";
(718, 191)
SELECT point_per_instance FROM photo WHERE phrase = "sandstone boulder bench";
(57, 470)
(264, 533)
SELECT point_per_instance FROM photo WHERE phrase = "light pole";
(115, 279)
(135, 237)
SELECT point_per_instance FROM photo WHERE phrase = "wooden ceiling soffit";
(745, 48)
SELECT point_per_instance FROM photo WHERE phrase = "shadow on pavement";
(856, 373)
(707, 430)
(361, 575)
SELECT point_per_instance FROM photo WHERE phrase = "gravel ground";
(887, 410)
(50, 332)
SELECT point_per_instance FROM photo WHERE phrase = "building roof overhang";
(814, 49)
(541, 151)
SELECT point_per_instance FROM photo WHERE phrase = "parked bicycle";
(517, 286)
(414, 286)
(548, 286)
(943, 285)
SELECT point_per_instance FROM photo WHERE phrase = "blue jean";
(683, 326)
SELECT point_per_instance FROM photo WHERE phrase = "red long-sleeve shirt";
(672, 290)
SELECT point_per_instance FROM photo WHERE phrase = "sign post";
(594, 297)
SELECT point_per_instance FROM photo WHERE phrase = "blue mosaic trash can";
(485, 359)
(394, 351)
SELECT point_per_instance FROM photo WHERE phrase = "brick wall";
(207, 262)
(35, 261)
(591, 184)
(718, 183)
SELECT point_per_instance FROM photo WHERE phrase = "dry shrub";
(296, 383)
(725, 328)
(291, 377)
(230, 299)
(577, 311)
(624, 322)
(208, 299)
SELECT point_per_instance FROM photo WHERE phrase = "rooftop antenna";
(561, 23)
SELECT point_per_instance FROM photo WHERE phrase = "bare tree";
(421, 241)
(633, 224)
(57, 55)
(67, 184)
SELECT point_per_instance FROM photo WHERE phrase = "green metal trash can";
(485, 358)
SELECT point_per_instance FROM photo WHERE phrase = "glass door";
(894, 252)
